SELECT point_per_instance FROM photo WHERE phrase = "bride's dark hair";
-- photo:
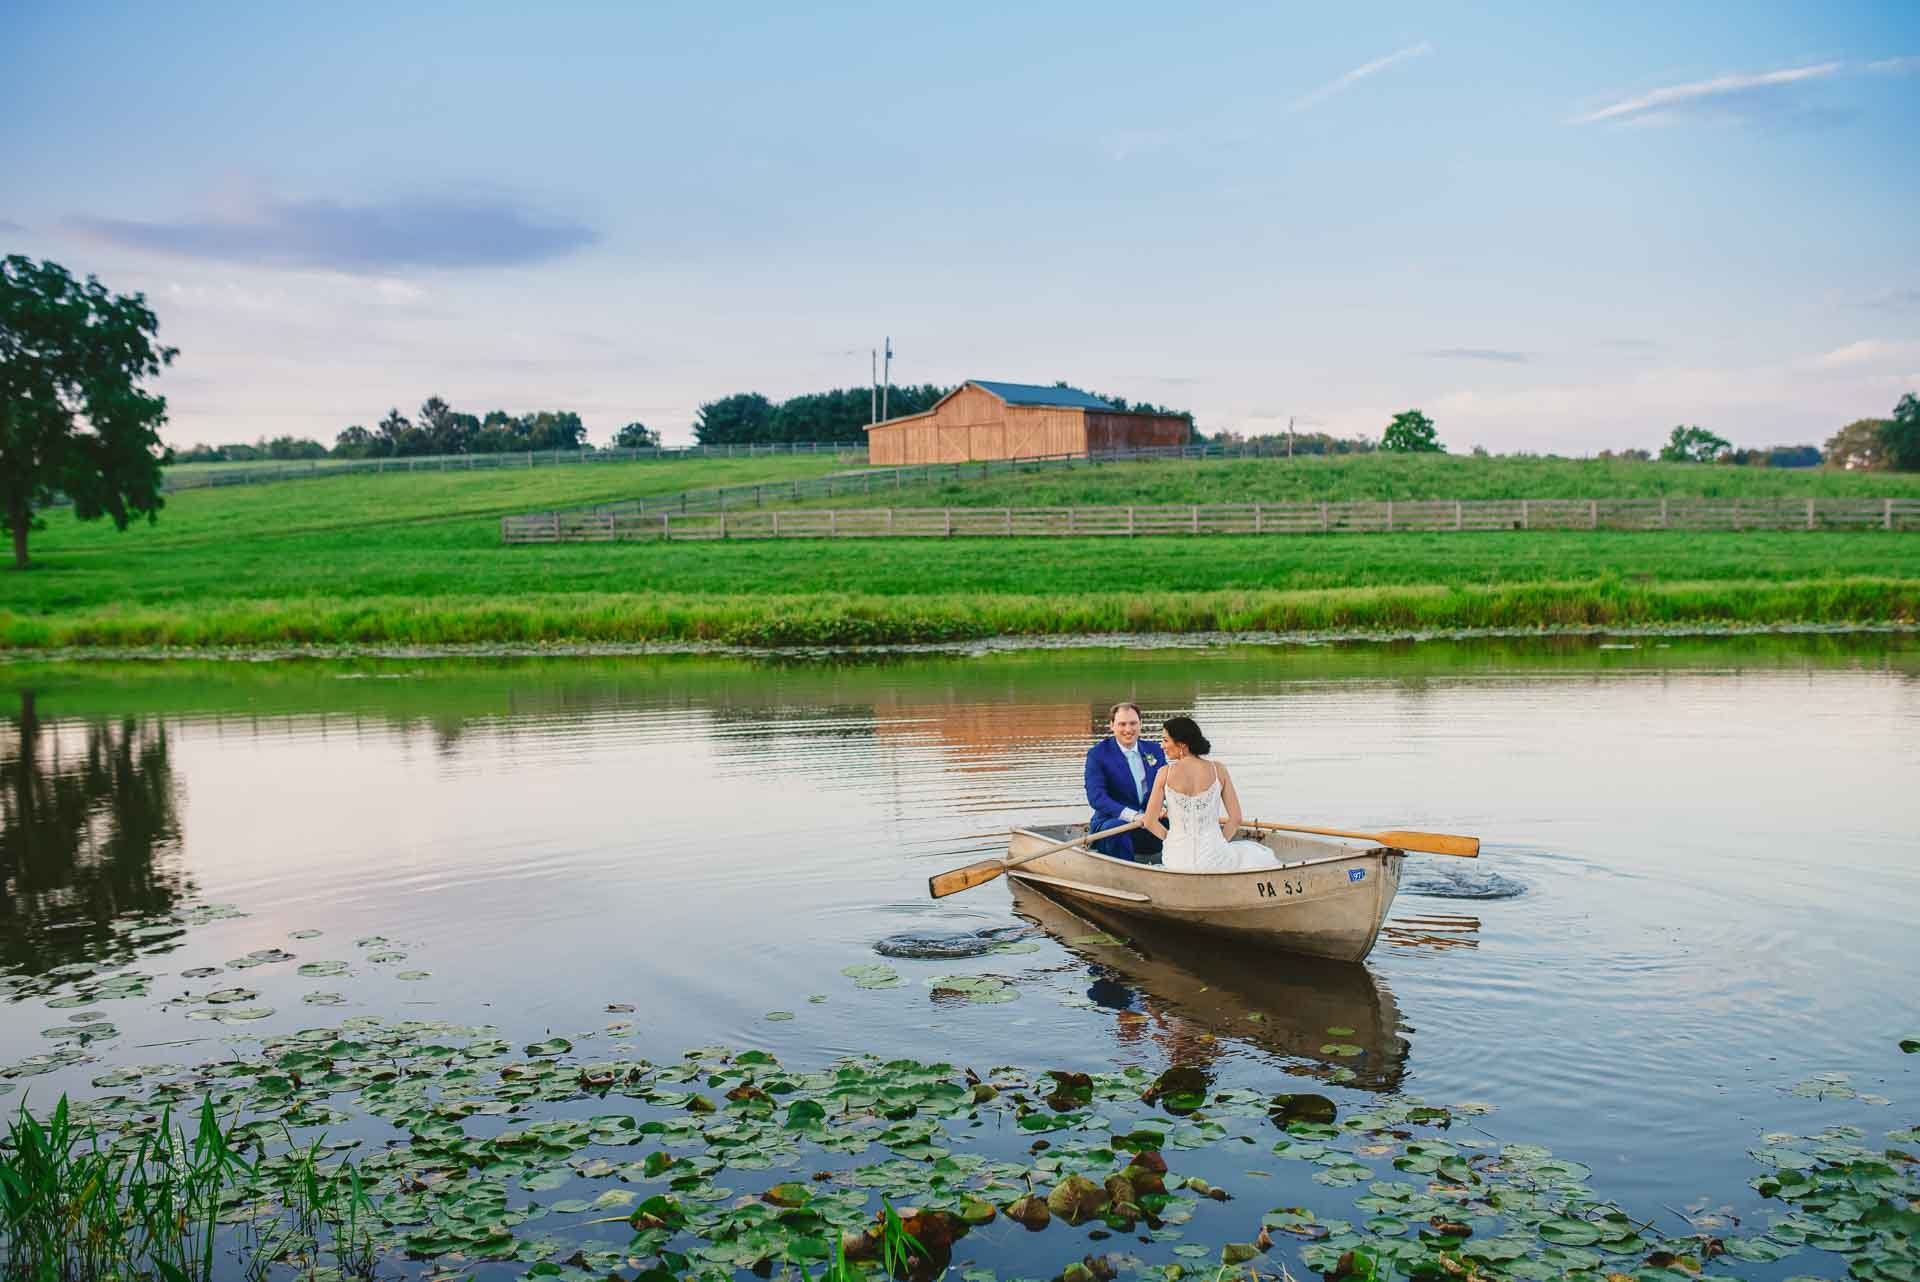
(1185, 731)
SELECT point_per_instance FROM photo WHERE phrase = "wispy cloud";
(1344, 82)
(1895, 66)
(432, 232)
(1701, 94)
(1869, 352)
(1496, 354)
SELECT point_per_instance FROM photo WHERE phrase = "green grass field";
(399, 559)
(1384, 476)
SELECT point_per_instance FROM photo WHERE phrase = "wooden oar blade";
(1434, 843)
(955, 880)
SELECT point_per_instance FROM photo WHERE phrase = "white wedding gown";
(1194, 841)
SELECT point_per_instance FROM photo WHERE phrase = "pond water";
(1698, 886)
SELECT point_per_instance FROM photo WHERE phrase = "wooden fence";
(1239, 519)
(218, 475)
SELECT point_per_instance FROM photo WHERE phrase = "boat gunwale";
(1360, 853)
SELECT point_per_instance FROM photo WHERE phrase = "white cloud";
(1680, 96)
(1869, 353)
(1895, 66)
(1359, 73)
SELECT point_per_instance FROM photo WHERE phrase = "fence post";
(1458, 515)
(1736, 514)
(1007, 514)
(666, 527)
(1593, 514)
(1195, 517)
(948, 513)
(1323, 518)
(723, 525)
(1886, 514)
(776, 525)
(889, 520)
(1389, 516)
(833, 524)
(1070, 512)
(1526, 513)
(1129, 522)
(1809, 514)
(1256, 518)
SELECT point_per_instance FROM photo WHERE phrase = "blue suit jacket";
(1110, 789)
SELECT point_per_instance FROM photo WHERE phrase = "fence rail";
(609, 525)
(875, 481)
(300, 470)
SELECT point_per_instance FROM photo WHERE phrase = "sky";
(1554, 228)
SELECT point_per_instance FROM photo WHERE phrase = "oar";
(1432, 843)
(954, 880)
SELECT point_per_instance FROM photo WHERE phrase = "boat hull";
(1324, 899)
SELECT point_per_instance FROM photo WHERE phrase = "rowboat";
(1324, 898)
(1200, 996)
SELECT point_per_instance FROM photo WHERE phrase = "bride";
(1197, 799)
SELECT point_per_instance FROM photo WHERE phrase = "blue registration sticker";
(1356, 874)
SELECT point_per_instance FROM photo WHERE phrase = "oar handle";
(954, 880)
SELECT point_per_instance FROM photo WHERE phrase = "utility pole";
(873, 386)
(1289, 436)
(886, 378)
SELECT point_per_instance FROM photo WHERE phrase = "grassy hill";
(418, 559)
(1385, 476)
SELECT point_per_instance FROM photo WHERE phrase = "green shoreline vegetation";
(417, 560)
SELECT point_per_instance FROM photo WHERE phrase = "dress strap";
(1216, 770)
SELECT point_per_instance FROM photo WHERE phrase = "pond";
(1691, 926)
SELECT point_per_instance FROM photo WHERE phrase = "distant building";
(982, 420)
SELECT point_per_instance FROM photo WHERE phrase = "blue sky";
(1554, 228)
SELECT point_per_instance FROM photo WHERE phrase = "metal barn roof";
(1030, 394)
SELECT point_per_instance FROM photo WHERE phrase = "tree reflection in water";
(89, 834)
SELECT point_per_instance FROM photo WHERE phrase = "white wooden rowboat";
(1325, 898)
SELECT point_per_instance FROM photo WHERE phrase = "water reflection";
(89, 833)
(1199, 1000)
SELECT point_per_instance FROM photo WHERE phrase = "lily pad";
(319, 969)
(412, 975)
(873, 975)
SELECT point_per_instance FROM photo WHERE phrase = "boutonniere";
(1151, 759)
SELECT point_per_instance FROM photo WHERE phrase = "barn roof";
(1032, 394)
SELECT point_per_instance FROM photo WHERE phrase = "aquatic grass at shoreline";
(869, 619)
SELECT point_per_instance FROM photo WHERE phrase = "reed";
(74, 1208)
(151, 1206)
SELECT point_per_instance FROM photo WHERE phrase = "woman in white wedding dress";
(1201, 810)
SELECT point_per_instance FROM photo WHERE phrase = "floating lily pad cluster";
(478, 1149)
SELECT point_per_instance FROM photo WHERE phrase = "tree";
(1859, 446)
(741, 419)
(1693, 445)
(636, 436)
(1902, 435)
(356, 442)
(73, 417)
(1411, 432)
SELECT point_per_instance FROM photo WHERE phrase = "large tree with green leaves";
(1902, 434)
(1694, 445)
(74, 420)
(1411, 432)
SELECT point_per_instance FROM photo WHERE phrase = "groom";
(1120, 773)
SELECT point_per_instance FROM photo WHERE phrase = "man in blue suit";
(1120, 773)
